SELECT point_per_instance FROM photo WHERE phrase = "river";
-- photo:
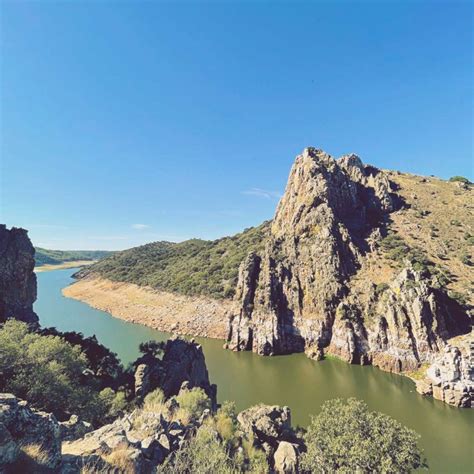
(447, 435)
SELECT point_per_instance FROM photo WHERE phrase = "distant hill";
(55, 257)
(192, 267)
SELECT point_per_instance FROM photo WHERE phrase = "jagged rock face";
(297, 295)
(29, 427)
(405, 326)
(450, 378)
(287, 297)
(17, 278)
(183, 361)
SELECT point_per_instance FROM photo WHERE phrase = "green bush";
(193, 402)
(347, 437)
(460, 179)
(49, 372)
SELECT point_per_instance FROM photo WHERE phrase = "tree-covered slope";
(192, 267)
(54, 257)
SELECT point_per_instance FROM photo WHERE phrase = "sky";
(125, 122)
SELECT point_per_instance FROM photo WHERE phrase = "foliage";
(152, 348)
(193, 267)
(460, 179)
(192, 403)
(54, 257)
(101, 360)
(397, 250)
(49, 373)
(202, 454)
(347, 437)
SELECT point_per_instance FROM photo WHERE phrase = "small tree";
(347, 437)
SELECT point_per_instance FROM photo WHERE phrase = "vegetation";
(347, 437)
(397, 250)
(193, 267)
(54, 257)
(218, 447)
(53, 375)
(460, 179)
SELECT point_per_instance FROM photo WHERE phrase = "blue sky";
(128, 122)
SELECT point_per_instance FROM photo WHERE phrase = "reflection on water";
(446, 432)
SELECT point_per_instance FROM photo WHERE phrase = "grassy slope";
(435, 229)
(193, 267)
(56, 257)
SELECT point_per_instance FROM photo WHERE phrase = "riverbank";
(164, 311)
(62, 266)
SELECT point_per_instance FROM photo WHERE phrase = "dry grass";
(120, 459)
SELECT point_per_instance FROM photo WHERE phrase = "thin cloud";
(140, 226)
(262, 193)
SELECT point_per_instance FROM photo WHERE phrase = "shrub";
(203, 454)
(347, 437)
(48, 372)
(192, 403)
(460, 179)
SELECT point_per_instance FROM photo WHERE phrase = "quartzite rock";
(17, 277)
(296, 295)
(31, 427)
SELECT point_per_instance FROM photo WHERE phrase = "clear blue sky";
(128, 122)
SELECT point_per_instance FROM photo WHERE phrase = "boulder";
(9, 449)
(74, 428)
(285, 458)
(28, 427)
(268, 424)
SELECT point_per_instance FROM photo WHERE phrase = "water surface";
(446, 433)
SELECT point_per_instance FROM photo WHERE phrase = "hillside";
(193, 267)
(55, 257)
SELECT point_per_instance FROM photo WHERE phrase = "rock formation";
(20, 426)
(17, 278)
(297, 295)
(183, 361)
(451, 377)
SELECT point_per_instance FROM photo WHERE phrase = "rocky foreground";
(142, 440)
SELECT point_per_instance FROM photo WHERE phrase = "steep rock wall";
(296, 295)
(17, 277)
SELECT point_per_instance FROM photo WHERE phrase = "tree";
(52, 375)
(347, 437)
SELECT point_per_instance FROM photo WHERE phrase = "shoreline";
(163, 311)
(61, 266)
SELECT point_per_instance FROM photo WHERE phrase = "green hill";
(192, 267)
(55, 257)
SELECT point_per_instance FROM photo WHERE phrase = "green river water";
(447, 433)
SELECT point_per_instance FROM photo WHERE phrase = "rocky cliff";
(313, 287)
(17, 278)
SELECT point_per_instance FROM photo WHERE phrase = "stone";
(286, 458)
(31, 427)
(9, 449)
(74, 428)
(17, 277)
(268, 424)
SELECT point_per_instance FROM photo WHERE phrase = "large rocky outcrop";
(183, 361)
(20, 426)
(17, 278)
(297, 294)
